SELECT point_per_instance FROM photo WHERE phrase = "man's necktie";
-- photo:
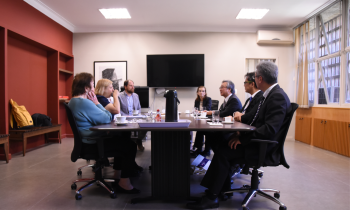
(257, 111)
(250, 100)
(224, 104)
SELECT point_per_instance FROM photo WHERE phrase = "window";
(329, 81)
(311, 32)
(330, 22)
(347, 79)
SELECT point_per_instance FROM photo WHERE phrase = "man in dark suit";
(230, 105)
(267, 117)
(231, 102)
(256, 94)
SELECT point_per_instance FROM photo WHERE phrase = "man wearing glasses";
(231, 103)
(267, 117)
(251, 88)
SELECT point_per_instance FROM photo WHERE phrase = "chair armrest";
(264, 141)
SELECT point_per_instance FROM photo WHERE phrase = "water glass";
(195, 112)
(215, 117)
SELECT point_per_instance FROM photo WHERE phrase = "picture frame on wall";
(116, 71)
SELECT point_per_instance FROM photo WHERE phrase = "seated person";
(129, 101)
(251, 88)
(231, 104)
(203, 103)
(267, 118)
(104, 90)
(89, 112)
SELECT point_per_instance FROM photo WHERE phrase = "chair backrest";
(214, 105)
(77, 137)
(281, 136)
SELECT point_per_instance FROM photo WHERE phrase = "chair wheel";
(73, 186)
(283, 208)
(245, 208)
(246, 186)
(113, 196)
(78, 197)
(260, 175)
(79, 173)
(276, 195)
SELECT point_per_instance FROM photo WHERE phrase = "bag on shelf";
(21, 116)
(41, 120)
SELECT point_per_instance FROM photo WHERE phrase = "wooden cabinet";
(343, 138)
(318, 133)
(303, 129)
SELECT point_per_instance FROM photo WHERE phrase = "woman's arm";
(115, 107)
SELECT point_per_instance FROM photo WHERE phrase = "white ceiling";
(177, 15)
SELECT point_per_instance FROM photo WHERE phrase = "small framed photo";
(116, 71)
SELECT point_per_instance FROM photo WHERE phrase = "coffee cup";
(120, 119)
(135, 112)
(227, 119)
(203, 114)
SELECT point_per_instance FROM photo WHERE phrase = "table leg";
(170, 166)
(59, 135)
(24, 145)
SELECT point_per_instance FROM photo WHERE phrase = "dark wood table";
(170, 155)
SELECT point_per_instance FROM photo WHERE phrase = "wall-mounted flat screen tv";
(181, 70)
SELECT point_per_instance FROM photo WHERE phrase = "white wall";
(225, 55)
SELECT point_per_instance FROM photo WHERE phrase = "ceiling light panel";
(118, 13)
(252, 14)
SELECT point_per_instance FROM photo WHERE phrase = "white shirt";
(266, 93)
(226, 99)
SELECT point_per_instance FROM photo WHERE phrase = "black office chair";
(99, 157)
(214, 105)
(266, 160)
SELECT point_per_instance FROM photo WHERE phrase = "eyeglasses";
(222, 87)
(248, 82)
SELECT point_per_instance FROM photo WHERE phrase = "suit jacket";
(206, 104)
(233, 105)
(124, 103)
(255, 102)
(268, 122)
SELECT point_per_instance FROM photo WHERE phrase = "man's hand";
(234, 142)
(237, 116)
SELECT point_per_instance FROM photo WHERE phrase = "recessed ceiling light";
(252, 13)
(120, 13)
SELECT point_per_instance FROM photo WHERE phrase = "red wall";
(18, 16)
(27, 75)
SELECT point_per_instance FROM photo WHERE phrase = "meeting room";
(226, 104)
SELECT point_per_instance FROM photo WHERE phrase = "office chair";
(214, 105)
(98, 157)
(265, 159)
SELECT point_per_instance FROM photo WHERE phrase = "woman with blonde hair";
(104, 90)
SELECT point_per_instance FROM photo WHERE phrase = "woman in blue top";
(88, 112)
(203, 103)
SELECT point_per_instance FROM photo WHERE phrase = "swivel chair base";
(98, 179)
(254, 190)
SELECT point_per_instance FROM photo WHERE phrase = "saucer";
(135, 114)
(224, 122)
(118, 123)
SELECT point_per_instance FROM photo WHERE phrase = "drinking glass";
(215, 117)
(195, 109)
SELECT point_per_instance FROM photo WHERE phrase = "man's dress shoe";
(204, 203)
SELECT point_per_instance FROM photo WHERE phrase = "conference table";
(170, 156)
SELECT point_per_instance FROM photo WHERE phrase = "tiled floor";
(317, 179)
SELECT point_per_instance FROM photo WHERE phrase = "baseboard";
(2, 156)
(67, 136)
(290, 138)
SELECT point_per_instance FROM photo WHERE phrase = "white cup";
(203, 114)
(135, 112)
(121, 119)
(163, 111)
(187, 111)
(227, 119)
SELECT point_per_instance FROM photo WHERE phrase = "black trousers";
(124, 150)
(218, 139)
(220, 171)
(198, 142)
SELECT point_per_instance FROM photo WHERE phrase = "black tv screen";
(143, 93)
(183, 70)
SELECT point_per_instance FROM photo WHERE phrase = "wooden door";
(343, 144)
(318, 133)
(298, 126)
(306, 130)
(331, 138)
